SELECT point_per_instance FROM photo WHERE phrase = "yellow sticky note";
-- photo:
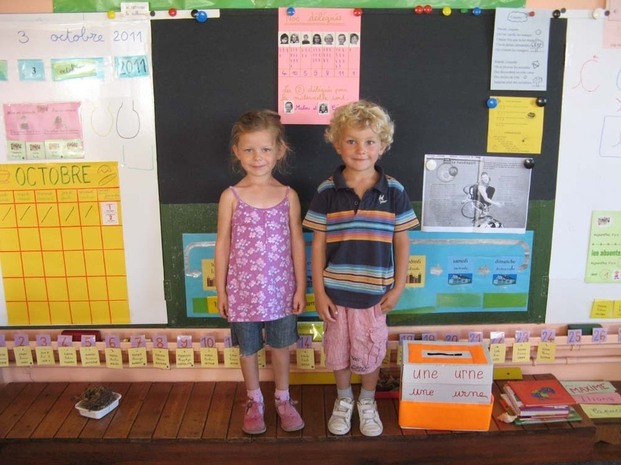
(498, 352)
(546, 352)
(184, 357)
(310, 303)
(89, 356)
(160, 358)
(137, 357)
(602, 308)
(4, 357)
(386, 360)
(601, 411)
(231, 357)
(521, 352)
(23, 356)
(45, 355)
(262, 358)
(67, 356)
(515, 125)
(305, 358)
(616, 309)
(209, 357)
(114, 357)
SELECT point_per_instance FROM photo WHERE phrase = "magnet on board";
(111, 14)
(418, 9)
(529, 163)
(193, 13)
(427, 9)
(290, 11)
(446, 11)
(201, 16)
(492, 102)
(476, 11)
(541, 101)
(556, 14)
(357, 11)
(172, 12)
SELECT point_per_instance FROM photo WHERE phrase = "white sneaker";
(340, 421)
(370, 423)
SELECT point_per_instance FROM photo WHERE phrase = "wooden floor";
(191, 423)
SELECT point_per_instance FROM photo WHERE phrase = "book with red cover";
(541, 392)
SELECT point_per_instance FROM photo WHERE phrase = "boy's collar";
(381, 185)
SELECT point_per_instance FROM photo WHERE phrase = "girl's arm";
(298, 252)
(223, 248)
(401, 245)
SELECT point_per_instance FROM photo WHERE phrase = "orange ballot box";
(446, 386)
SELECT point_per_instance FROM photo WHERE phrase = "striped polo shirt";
(359, 234)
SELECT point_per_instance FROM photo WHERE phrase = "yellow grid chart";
(61, 244)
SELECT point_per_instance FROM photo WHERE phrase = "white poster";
(103, 69)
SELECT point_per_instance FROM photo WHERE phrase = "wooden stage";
(200, 422)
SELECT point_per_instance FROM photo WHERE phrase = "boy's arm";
(324, 306)
(298, 253)
(401, 245)
(223, 248)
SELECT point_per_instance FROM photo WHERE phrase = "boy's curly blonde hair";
(361, 114)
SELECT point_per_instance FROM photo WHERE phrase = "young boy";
(360, 251)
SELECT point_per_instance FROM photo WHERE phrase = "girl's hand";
(299, 302)
(223, 305)
(325, 308)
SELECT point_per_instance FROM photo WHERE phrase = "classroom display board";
(431, 72)
(80, 238)
(586, 222)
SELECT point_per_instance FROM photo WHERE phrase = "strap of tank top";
(235, 193)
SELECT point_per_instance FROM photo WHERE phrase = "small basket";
(101, 412)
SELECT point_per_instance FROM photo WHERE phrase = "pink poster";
(318, 62)
(37, 131)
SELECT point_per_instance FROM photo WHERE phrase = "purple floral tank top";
(260, 280)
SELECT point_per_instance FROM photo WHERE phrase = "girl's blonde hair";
(361, 114)
(260, 120)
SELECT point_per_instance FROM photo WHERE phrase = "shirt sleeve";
(316, 216)
(405, 218)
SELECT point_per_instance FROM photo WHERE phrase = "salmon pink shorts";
(357, 340)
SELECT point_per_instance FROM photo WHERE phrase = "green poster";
(83, 6)
(604, 260)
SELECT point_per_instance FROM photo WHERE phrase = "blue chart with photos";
(447, 273)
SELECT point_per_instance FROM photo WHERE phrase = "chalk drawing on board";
(610, 141)
(127, 121)
(102, 119)
(587, 75)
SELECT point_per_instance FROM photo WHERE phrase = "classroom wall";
(601, 361)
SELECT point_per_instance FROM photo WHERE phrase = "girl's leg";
(290, 419)
(255, 409)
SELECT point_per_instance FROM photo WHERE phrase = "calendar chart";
(62, 252)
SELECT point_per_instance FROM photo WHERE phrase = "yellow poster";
(61, 244)
(515, 125)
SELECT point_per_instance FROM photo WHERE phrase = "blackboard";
(431, 72)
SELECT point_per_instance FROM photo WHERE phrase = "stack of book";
(538, 401)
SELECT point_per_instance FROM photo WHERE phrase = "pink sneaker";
(290, 419)
(253, 418)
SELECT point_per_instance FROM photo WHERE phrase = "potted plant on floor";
(97, 401)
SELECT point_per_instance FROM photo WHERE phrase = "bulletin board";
(432, 73)
(80, 240)
(589, 164)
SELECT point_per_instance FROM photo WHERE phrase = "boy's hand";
(389, 300)
(325, 308)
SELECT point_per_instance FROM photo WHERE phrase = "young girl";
(260, 263)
